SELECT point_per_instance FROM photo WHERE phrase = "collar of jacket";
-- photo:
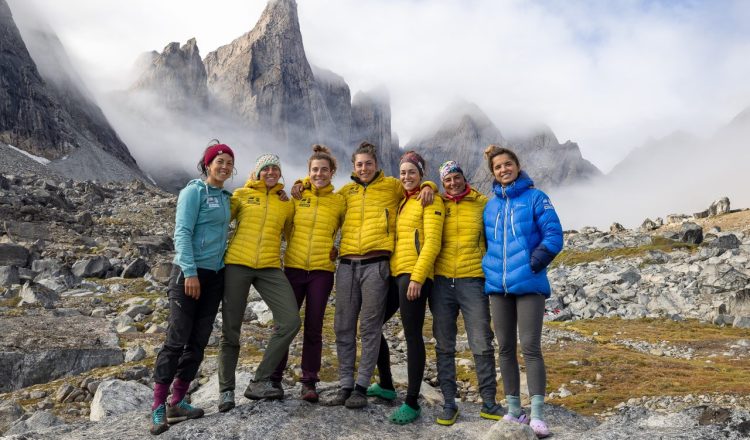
(378, 176)
(260, 185)
(459, 197)
(517, 187)
(308, 186)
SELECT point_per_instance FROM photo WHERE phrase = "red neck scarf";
(459, 197)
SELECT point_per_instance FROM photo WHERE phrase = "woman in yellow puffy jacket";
(418, 236)
(254, 258)
(459, 286)
(367, 241)
(308, 260)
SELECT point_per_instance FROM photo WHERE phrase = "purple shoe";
(522, 418)
(540, 428)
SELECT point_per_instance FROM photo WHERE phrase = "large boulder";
(39, 421)
(13, 255)
(43, 347)
(719, 207)
(38, 294)
(503, 430)
(10, 411)
(136, 269)
(691, 233)
(726, 242)
(116, 397)
(9, 275)
(95, 267)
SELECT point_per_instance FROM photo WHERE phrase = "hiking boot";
(522, 418)
(448, 416)
(340, 398)
(226, 401)
(263, 390)
(182, 411)
(494, 412)
(277, 385)
(309, 393)
(540, 428)
(159, 420)
(356, 400)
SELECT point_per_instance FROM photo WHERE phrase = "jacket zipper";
(505, 241)
(262, 227)
(309, 241)
(362, 219)
(455, 260)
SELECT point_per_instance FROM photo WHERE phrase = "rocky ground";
(647, 333)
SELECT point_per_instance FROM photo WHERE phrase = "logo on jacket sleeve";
(547, 204)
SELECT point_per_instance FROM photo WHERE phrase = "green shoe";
(448, 416)
(405, 415)
(375, 390)
(494, 412)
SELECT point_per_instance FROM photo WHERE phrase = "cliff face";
(265, 77)
(176, 76)
(371, 121)
(465, 131)
(44, 108)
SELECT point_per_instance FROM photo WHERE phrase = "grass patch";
(627, 373)
(571, 257)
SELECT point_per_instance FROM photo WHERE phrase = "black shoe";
(340, 398)
(357, 400)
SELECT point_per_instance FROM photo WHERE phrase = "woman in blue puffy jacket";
(523, 237)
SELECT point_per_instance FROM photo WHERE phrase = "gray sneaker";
(263, 390)
(182, 411)
(226, 401)
(340, 398)
(357, 400)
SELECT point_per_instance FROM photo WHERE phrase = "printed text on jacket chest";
(253, 201)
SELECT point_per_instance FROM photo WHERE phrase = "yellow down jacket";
(370, 219)
(418, 235)
(317, 217)
(370, 222)
(463, 237)
(261, 219)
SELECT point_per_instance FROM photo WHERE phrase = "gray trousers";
(360, 295)
(274, 288)
(524, 314)
(449, 296)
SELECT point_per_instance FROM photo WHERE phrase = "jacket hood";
(518, 186)
(202, 184)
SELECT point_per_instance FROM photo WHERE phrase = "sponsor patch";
(212, 202)
(547, 204)
(438, 213)
(253, 200)
(305, 203)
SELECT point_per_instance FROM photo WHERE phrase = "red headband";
(215, 150)
(414, 159)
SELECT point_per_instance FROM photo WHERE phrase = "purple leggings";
(312, 288)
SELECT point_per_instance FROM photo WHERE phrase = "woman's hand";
(192, 287)
(414, 290)
(334, 253)
(426, 195)
(282, 195)
(297, 191)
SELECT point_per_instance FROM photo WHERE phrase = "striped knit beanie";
(448, 167)
(266, 160)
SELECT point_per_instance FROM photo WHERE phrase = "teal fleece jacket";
(201, 227)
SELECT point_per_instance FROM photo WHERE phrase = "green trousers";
(274, 288)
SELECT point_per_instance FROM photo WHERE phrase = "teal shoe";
(405, 415)
(375, 390)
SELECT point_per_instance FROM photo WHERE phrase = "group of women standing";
(402, 247)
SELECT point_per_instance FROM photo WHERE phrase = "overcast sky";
(608, 75)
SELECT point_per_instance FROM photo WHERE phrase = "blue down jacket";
(523, 236)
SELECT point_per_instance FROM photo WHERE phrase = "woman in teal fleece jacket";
(196, 285)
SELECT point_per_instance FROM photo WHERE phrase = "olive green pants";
(274, 288)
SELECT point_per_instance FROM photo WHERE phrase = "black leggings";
(412, 319)
(384, 354)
